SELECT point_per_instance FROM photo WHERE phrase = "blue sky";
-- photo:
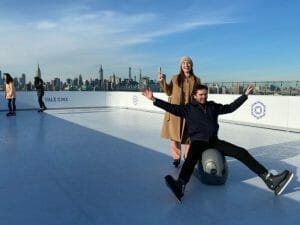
(228, 40)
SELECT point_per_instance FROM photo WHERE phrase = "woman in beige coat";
(10, 94)
(179, 91)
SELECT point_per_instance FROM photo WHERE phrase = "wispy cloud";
(82, 37)
(44, 25)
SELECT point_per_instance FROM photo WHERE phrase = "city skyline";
(236, 40)
(101, 75)
(138, 83)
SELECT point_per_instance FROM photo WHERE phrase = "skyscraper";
(129, 73)
(80, 80)
(140, 78)
(101, 74)
(23, 81)
(101, 79)
(38, 72)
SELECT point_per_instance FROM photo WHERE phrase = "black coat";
(39, 86)
(202, 120)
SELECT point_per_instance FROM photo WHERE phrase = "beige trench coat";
(173, 126)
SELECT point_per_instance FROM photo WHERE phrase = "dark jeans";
(11, 104)
(41, 102)
(228, 149)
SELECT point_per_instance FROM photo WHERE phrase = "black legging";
(228, 149)
(41, 102)
(11, 104)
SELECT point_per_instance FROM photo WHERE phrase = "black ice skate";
(278, 182)
(10, 114)
(176, 186)
(284, 183)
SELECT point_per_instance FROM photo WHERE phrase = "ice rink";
(105, 166)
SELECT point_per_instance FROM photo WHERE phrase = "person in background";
(10, 94)
(179, 91)
(39, 86)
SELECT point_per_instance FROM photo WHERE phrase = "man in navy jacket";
(202, 121)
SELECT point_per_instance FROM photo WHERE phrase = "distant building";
(56, 84)
(101, 76)
(235, 88)
(140, 76)
(23, 82)
(129, 75)
(80, 80)
(38, 72)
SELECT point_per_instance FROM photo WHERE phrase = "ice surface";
(106, 166)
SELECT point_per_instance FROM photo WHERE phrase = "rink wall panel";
(276, 112)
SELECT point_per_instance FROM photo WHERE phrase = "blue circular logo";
(258, 110)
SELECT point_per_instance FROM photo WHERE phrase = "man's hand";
(148, 93)
(249, 90)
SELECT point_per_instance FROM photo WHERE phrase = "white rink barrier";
(276, 112)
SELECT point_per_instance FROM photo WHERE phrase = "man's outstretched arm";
(177, 110)
(223, 109)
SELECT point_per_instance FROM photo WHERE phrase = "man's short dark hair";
(199, 87)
